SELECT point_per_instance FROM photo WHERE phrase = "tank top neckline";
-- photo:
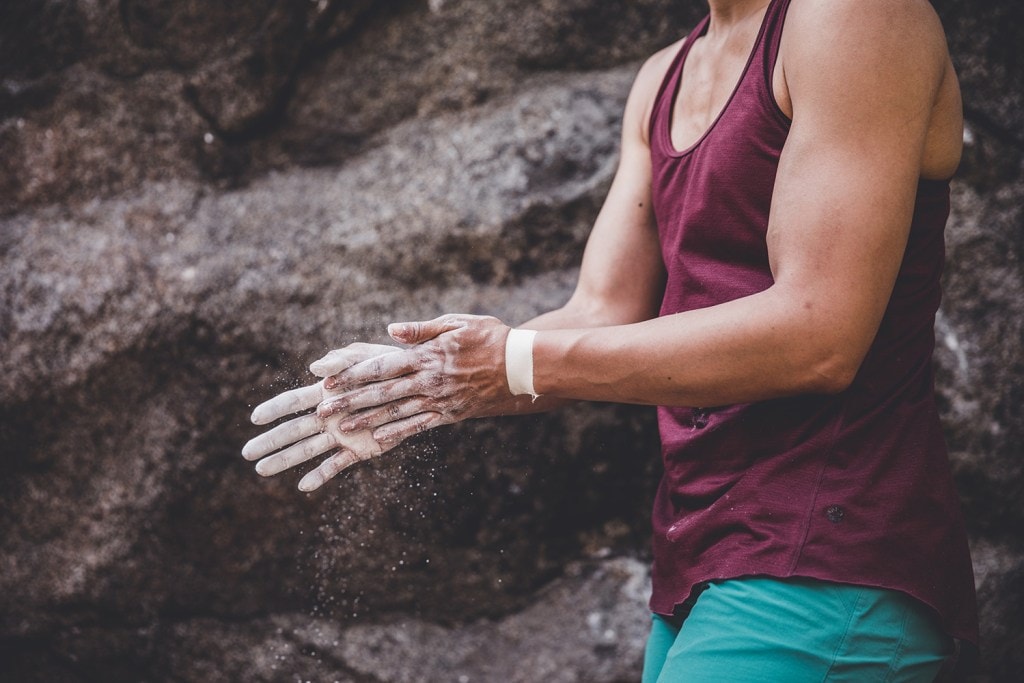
(675, 77)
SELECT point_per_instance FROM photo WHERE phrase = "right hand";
(454, 370)
(309, 435)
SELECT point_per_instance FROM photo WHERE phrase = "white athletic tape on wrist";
(519, 362)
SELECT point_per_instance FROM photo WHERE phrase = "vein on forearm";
(762, 346)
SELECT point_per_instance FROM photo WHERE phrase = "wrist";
(519, 362)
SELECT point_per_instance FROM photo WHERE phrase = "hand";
(455, 370)
(307, 436)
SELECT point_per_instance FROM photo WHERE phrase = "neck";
(726, 14)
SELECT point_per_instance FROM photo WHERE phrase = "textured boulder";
(167, 313)
(980, 334)
(196, 200)
(595, 610)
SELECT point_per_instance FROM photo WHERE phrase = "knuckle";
(334, 406)
(424, 424)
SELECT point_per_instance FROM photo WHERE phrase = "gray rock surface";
(197, 199)
(596, 610)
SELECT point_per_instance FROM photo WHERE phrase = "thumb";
(418, 332)
(339, 360)
(334, 362)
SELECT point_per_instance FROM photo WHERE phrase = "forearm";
(577, 314)
(566, 317)
(589, 311)
(754, 348)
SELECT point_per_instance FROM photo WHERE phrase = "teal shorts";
(758, 630)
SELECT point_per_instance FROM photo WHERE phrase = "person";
(765, 269)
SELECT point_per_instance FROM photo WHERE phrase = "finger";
(327, 470)
(332, 406)
(378, 416)
(342, 359)
(370, 396)
(294, 401)
(296, 454)
(360, 443)
(282, 435)
(394, 433)
(376, 369)
(417, 332)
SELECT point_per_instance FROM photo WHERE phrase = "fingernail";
(328, 409)
(310, 482)
(398, 329)
(347, 426)
(330, 383)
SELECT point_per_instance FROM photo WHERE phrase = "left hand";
(455, 370)
(308, 436)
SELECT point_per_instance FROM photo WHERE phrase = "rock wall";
(197, 199)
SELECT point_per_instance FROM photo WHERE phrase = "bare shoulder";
(879, 56)
(645, 89)
(872, 70)
(883, 31)
(653, 71)
(914, 19)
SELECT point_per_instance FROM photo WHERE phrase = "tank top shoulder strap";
(755, 82)
(774, 18)
(670, 83)
(768, 49)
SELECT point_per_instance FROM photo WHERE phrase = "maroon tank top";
(855, 487)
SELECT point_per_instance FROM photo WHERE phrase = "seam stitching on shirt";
(833, 438)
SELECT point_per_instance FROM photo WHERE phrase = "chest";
(706, 85)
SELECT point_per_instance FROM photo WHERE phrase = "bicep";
(847, 179)
(622, 275)
(837, 232)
